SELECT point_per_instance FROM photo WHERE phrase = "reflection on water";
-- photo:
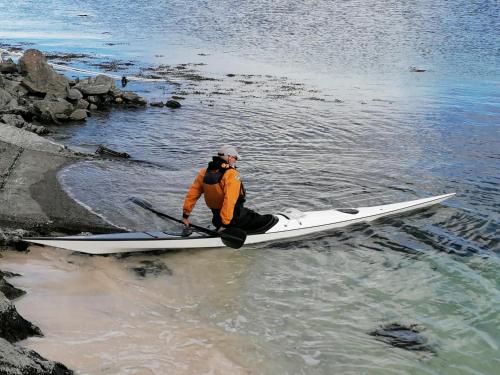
(327, 113)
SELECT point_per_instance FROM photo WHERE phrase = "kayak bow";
(291, 224)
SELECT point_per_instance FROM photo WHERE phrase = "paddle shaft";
(201, 229)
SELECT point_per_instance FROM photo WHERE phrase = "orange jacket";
(221, 195)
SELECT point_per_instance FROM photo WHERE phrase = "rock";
(9, 291)
(118, 100)
(75, 94)
(176, 97)
(173, 104)
(13, 120)
(5, 98)
(157, 104)
(115, 92)
(37, 129)
(40, 78)
(133, 98)
(8, 66)
(98, 85)
(92, 107)
(152, 268)
(13, 327)
(15, 360)
(93, 99)
(400, 336)
(53, 109)
(82, 104)
(103, 150)
(78, 115)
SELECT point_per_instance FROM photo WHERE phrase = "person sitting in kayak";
(225, 195)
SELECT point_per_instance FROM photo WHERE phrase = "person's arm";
(192, 196)
(232, 187)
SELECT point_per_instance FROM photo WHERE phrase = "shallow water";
(326, 113)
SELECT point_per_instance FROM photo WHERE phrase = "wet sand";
(101, 317)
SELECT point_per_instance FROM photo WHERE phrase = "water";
(326, 113)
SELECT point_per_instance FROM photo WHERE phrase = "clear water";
(330, 115)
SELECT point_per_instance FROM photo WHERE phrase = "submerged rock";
(103, 150)
(173, 104)
(400, 336)
(152, 268)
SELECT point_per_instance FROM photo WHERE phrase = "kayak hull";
(289, 225)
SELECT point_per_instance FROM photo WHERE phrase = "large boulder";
(53, 109)
(97, 85)
(134, 99)
(40, 78)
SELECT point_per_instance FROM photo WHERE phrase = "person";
(224, 194)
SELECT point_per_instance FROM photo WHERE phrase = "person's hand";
(186, 222)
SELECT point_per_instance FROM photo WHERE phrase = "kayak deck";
(290, 224)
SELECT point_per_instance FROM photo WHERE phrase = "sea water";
(328, 111)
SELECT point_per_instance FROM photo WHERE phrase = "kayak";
(291, 223)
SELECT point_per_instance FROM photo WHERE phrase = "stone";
(8, 66)
(5, 98)
(103, 150)
(15, 360)
(82, 104)
(152, 268)
(92, 107)
(13, 327)
(173, 104)
(75, 94)
(78, 115)
(40, 77)
(13, 120)
(59, 109)
(93, 99)
(401, 336)
(133, 98)
(157, 104)
(118, 100)
(98, 85)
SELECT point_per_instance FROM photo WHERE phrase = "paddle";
(231, 237)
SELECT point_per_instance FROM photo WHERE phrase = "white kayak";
(291, 223)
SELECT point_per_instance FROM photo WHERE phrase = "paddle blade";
(141, 202)
(233, 237)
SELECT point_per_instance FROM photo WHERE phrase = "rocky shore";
(33, 97)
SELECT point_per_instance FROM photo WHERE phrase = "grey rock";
(75, 94)
(13, 327)
(82, 104)
(157, 104)
(93, 99)
(118, 100)
(15, 360)
(9, 291)
(173, 104)
(13, 120)
(98, 85)
(133, 98)
(5, 98)
(152, 268)
(37, 129)
(92, 107)
(78, 115)
(40, 78)
(8, 66)
(401, 336)
(115, 92)
(50, 109)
